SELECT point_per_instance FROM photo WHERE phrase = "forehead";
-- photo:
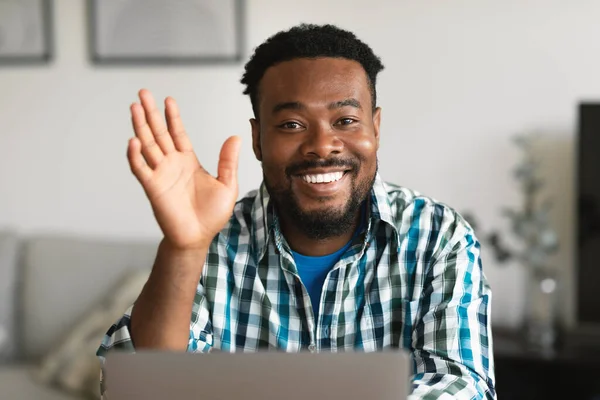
(314, 81)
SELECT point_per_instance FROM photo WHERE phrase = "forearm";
(451, 338)
(161, 316)
(438, 379)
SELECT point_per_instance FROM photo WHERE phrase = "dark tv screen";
(588, 215)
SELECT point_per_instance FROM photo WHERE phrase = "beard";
(324, 223)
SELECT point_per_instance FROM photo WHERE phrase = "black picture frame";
(101, 57)
(26, 32)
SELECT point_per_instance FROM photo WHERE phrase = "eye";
(291, 125)
(346, 121)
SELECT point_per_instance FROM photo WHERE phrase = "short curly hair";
(309, 41)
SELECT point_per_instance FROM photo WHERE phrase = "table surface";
(510, 344)
(570, 372)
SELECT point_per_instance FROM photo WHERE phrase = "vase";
(540, 324)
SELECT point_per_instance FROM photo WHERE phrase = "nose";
(321, 142)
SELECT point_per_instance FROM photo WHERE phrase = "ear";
(376, 122)
(256, 147)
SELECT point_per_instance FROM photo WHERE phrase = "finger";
(228, 161)
(175, 126)
(156, 122)
(149, 148)
(138, 165)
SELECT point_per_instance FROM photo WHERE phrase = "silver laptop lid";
(258, 376)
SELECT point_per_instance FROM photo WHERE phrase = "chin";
(325, 204)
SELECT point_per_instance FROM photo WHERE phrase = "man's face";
(317, 138)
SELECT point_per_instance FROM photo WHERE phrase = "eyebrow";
(344, 103)
(296, 105)
(290, 105)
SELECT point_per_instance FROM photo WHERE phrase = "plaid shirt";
(411, 279)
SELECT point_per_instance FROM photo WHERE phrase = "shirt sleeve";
(451, 339)
(118, 337)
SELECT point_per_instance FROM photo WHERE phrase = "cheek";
(277, 155)
(273, 166)
(278, 149)
(365, 148)
(272, 170)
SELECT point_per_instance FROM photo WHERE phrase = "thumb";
(228, 161)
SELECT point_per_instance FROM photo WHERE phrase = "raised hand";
(190, 205)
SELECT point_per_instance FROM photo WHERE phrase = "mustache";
(346, 163)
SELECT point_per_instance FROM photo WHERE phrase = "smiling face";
(317, 138)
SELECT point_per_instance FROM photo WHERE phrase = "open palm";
(190, 205)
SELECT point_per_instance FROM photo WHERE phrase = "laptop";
(258, 376)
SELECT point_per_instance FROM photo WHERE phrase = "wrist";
(180, 263)
(188, 250)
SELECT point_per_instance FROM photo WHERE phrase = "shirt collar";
(381, 208)
(265, 225)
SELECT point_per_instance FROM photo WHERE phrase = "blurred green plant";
(530, 225)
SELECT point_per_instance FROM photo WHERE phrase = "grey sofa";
(47, 283)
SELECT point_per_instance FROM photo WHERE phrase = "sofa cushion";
(73, 365)
(64, 277)
(16, 383)
(9, 250)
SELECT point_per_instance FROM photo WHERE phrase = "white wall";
(461, 78)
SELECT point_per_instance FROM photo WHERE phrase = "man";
(325, 256)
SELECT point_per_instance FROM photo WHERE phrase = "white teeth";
(324, 178)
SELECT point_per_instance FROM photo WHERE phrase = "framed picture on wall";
(25, 31)
(163, 32)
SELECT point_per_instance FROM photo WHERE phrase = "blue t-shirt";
(314, 270)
